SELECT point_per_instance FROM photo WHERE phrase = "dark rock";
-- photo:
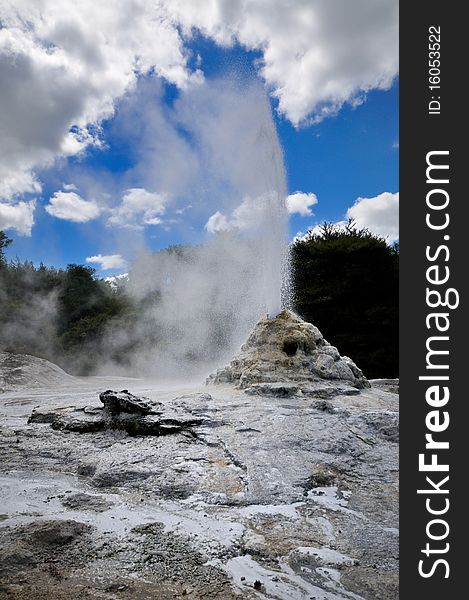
(118, 477)
(117, 587)
(46, 415)
(322, 476)
(86, 470)
(279, 390)
(79, 424)
(153, 425)
(16, 558)
(309, 389)
(329, 392)
(83, 501)
(125, 402)
(55, 533)
(174, 492)
(323, 406)
(155, 528)
(135, 425)
(390, 433)
(122, 412)
(384, 423)
(181, 421)
(248, 430)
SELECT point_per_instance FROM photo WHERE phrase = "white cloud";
(254, 213)
(16, 181)
(316, 55)
(18, 216)
(106, 262)
(138, 208)
(63, 64)
(379, 214)
(217, 222)
(69, 206)
(300, 203)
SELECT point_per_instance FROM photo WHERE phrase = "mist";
(197, 302)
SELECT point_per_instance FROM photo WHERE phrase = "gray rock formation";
(125, 402)
(284, 349)
(122, 411)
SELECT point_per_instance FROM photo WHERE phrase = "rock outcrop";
(122, 411)
(288, 349)
(125, 402)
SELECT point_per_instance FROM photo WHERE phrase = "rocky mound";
(19, 370)
(284, 349)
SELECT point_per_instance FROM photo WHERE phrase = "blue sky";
(350, 155)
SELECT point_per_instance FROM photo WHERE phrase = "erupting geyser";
(199, 302)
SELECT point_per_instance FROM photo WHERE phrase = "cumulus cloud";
(63, 64)
(15, 182)
(300, 203)
(138, 208)
(18, 216)
(253, 214)
(379, 214)
(217, 222)
(109, 261)
(316, 56)
(69, 206)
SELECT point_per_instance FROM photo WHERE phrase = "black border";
(421, 132)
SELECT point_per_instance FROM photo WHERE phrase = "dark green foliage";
(84, 306)
(63, 315)
(4, 243)
(345, 281)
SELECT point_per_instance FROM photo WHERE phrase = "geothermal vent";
(288, 349)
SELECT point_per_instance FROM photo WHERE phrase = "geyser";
(198, 302)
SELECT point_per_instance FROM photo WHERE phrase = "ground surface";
(289, 498)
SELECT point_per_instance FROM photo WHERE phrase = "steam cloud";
(199, 302)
